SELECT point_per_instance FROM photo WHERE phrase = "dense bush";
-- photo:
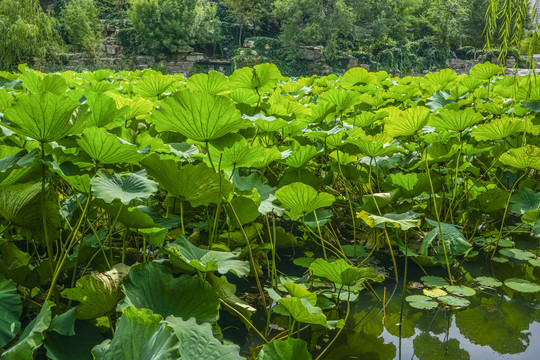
(27, 33)
(80, 24)
(162, 26)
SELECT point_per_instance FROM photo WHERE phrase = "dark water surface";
(498, 324)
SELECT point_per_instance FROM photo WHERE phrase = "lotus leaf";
(107, 148)
(285, 349)
(421, 302)
(10, 310)
(152, 286)
(522, 285)
(302, 199)
(488, 281)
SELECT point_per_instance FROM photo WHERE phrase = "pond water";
(498, 324)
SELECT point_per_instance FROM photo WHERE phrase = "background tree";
(27, 33)
(246, 12)
(80, 23)
(329, 23)
(162, 26)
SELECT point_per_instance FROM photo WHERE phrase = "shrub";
(80, 23)
(28, 34)
(163, 26)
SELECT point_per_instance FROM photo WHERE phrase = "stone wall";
(185, 61)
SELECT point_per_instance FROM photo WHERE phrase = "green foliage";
(80, 23)
(28, 34)
(164, 26)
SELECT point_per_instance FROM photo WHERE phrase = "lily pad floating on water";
(461, 290)
(434, 293)
(534, 262)
(421, 302)
(454, 301)
(488, 281)
(517, 254)
(434, 281)
(522, 285)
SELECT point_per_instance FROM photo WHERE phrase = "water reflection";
(499, 324)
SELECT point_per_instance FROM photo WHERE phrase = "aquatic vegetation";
(155, 213)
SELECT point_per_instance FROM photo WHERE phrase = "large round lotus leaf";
(522, 285)
(461, 290)
(454, 301)
(485, 71)
(523, 200)
(524, 157)
(302, 199)
(139, 335)
(125, 187)
(198, 342)
(406, 122)
(10, 310)
(285, 349)
(107, 148)
(455, 120)
(517, 254)
(488, 281)
(421, 302)
(198, 116)
(152, 286)
(43, 117)
(212, 83)
(152, 85)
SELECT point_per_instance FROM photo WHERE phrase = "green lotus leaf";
(302, 311)
(428, 347)
(21, 205)
(522, 285)
(44, 117)
(485, 71)
(299, 291)
(198, 342)
(245, 210)
(137, 106)
(125, 187)
(104, 111)
(439, 79)
(455, 241)
(267, 123)
(525, 157)
(436, 281)
(438, 100)
(152, 286)
(434, 292)
(301, 155)
(16, 164)
(97, 293)
(227, 293)
(139, 335)
(232, 151)
(266, 192)
(184, 151)
(342, 273)
(77, 346)
(285, 349)
(523, 200)
(374, 146)
(461, 290)
(403, 221)
(302, 199)
(406, 122)
(260, 79)
(455, 120)
(31, 337)
(152, 85)
(184, 254)
(10, 310)
(34, 83)
(107, 148)
(531, 105)
(244, 96)
(497, 129)
(343, 100)
(410, 184)
(366, 118)
(130, 216)
(6, 100)
(196, 184)
(488, 281)
(213, 83)
(517, 254)
(198, 116)
(421, 302)
(534, 262)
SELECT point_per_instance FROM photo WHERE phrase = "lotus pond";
(150, 216)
